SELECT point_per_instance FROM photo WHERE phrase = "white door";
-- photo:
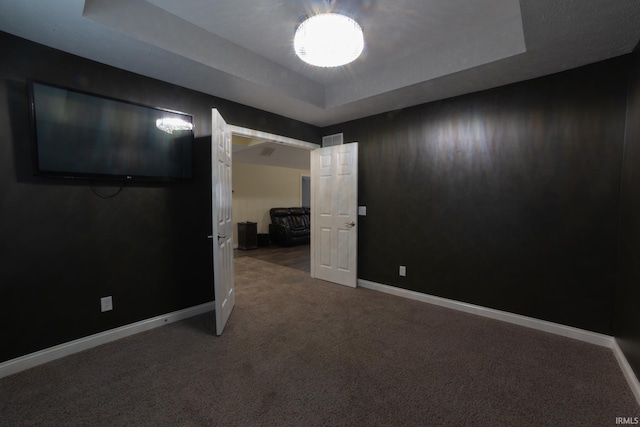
(334, 214)
(222, 231)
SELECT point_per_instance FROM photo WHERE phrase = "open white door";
(222, 229)
(334, 214)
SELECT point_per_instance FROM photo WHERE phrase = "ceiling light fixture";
(328, 40)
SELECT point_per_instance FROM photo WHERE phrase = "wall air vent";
(331, 140)
(267, 151)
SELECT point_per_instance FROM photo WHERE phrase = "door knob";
(352, 223)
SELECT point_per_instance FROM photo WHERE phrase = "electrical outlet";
(106, 304)
(403, 270)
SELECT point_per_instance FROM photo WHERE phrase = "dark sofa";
(290, 226)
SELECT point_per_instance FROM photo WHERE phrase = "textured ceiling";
(416, 50)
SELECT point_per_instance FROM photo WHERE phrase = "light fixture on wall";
(328, 40)
(171, 124)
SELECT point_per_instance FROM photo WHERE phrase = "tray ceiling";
(416, 51)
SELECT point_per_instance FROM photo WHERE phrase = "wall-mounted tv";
(88, 136)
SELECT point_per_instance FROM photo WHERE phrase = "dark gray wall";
(62, 247)
(627, 308)
(507, 198)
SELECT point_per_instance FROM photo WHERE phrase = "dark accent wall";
(507, 198)
(62, 247)
(627, 308)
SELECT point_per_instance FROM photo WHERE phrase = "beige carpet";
(300, 352)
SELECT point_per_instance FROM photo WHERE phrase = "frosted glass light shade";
(328, 40)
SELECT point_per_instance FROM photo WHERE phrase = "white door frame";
(271, 137)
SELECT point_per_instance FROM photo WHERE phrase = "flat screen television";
(88, 136)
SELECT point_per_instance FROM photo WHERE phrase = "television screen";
(82, 135)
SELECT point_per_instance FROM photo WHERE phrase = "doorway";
(268, 172)
(305, 191)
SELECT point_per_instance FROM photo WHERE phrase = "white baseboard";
(529, 322)
(627, 370)
(49, 354)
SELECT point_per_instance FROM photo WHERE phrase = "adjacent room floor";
(297, 257)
